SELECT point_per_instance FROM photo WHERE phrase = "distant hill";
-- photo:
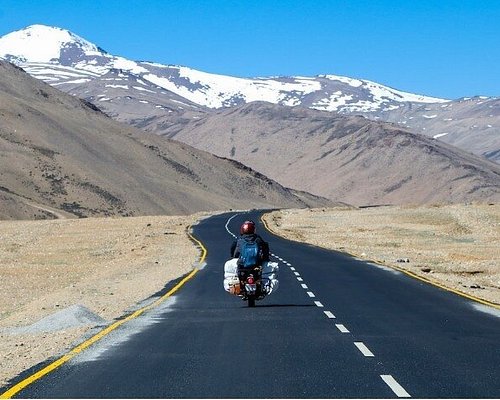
(344, 158)
(61, 156)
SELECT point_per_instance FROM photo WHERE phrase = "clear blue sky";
(440, 48)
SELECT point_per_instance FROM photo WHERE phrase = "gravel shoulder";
(455, 245)
(104, 266)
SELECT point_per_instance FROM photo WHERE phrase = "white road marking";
(363, 349)
(287, 263)
(318, 304)
(395, 386)
(292, 269)
(296, 274)
(342, 328)
(304, 286)
(227, 226)
(311, 294)
(299, 279)
(329, 314)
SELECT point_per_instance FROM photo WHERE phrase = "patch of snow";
(350, 81)
(40, 43)
(440, 135)
(128, 65)
(217, 91)
(430, 116)
(73, 81)
(448, 119)
(117, 86)
(392, 107)
(143, 89)
(144, 101)
(333, 103)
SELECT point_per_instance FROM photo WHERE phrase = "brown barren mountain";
(344, 158)
(61, 156)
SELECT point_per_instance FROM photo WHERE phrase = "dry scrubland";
(109, 265)
(456, 245)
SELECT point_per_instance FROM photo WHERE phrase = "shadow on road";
(282, 305)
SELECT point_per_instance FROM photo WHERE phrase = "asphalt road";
(338, 327)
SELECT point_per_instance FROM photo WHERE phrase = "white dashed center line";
(363, 349)
(329, 314)
(395, 386)
(388, 379)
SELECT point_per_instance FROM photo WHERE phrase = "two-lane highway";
(337, 327)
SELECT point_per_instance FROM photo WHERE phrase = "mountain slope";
(61, 153)
(472, 124)
(351, 159)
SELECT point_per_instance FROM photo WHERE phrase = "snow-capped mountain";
(66, 60)
(157, 97)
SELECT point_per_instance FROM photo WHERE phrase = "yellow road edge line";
(87, 343)
(409, 273)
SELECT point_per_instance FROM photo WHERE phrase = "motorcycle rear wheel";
(251, 301)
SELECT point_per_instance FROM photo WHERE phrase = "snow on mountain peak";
(60, 58)
(41, 43)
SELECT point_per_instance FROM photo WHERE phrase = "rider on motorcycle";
(247, 233)
(250, 260)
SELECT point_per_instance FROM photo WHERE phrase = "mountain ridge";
(351, 158)
(59, 153)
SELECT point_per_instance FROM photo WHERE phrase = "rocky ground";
(455, 245)
(94, 270)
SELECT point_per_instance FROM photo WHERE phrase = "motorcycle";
(250, 284)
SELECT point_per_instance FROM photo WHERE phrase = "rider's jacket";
(235, 246)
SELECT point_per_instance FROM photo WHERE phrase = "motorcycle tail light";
(250, 280)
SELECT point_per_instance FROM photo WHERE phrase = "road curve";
(337, 328)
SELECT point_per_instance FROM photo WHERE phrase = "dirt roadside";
(455, 245)
(106, 265)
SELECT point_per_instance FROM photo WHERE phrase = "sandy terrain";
(109, 265)
(106, 265)
(457, 245)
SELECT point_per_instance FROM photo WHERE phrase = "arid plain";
(109, 265)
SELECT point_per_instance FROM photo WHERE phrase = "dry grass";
(455, 245)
